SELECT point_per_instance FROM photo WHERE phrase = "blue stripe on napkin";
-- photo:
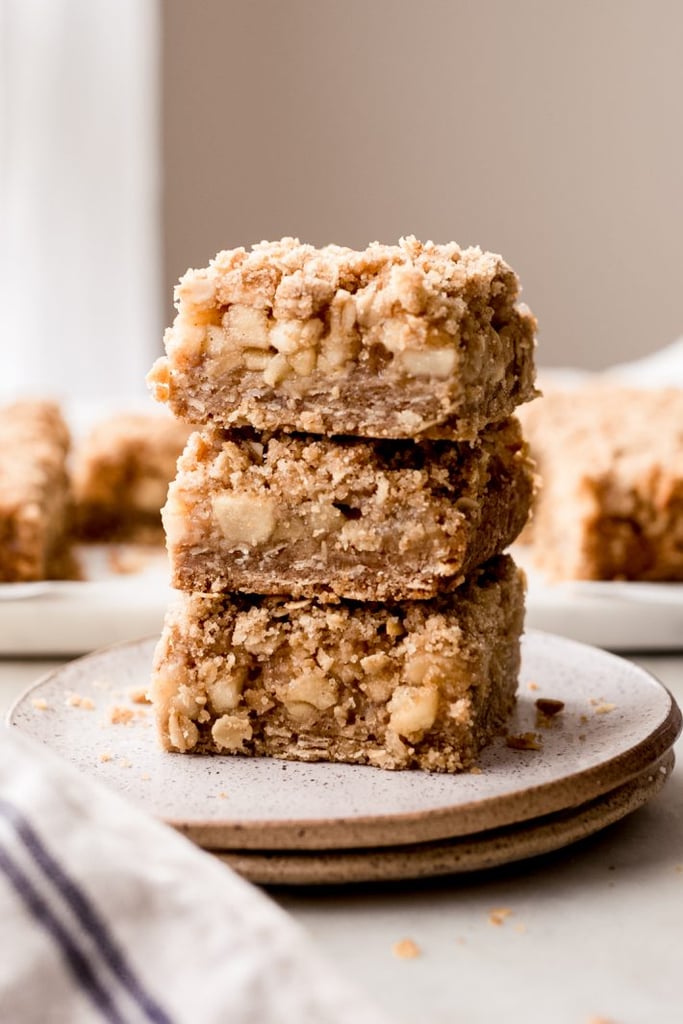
(90, 920)
(76, 960)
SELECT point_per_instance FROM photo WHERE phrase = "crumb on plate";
(124, 716)
(524, 741)
(139, 696)
(604, 708)
(75, 700)
(549, 707)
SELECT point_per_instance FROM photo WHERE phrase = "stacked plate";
(591, 740)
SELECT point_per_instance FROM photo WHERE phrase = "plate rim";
(455, 820)
(463, 855)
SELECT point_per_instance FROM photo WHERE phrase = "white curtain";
(80, 309)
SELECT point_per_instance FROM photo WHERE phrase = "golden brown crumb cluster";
(296, 282)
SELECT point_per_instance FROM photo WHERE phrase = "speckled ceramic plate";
(617, 721)
(455, 856)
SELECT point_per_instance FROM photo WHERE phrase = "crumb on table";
(406, 949)
(498, 915)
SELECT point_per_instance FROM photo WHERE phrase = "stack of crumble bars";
(337, 525)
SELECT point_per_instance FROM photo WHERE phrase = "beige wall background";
(550, 132)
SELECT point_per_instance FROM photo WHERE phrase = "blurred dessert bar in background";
(404, 341)
(121, 473)
(610, 501)
(34, 493)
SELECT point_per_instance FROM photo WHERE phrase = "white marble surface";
(595, 932)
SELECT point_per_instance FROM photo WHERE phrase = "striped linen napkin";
(107, 915)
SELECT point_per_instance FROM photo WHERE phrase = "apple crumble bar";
(121, 474)
(395, 341)
(610, 503)
(34, 493)
(414, 684)
(367, 520)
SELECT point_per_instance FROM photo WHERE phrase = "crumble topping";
(393, 341)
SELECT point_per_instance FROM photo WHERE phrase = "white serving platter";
(67, 618)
